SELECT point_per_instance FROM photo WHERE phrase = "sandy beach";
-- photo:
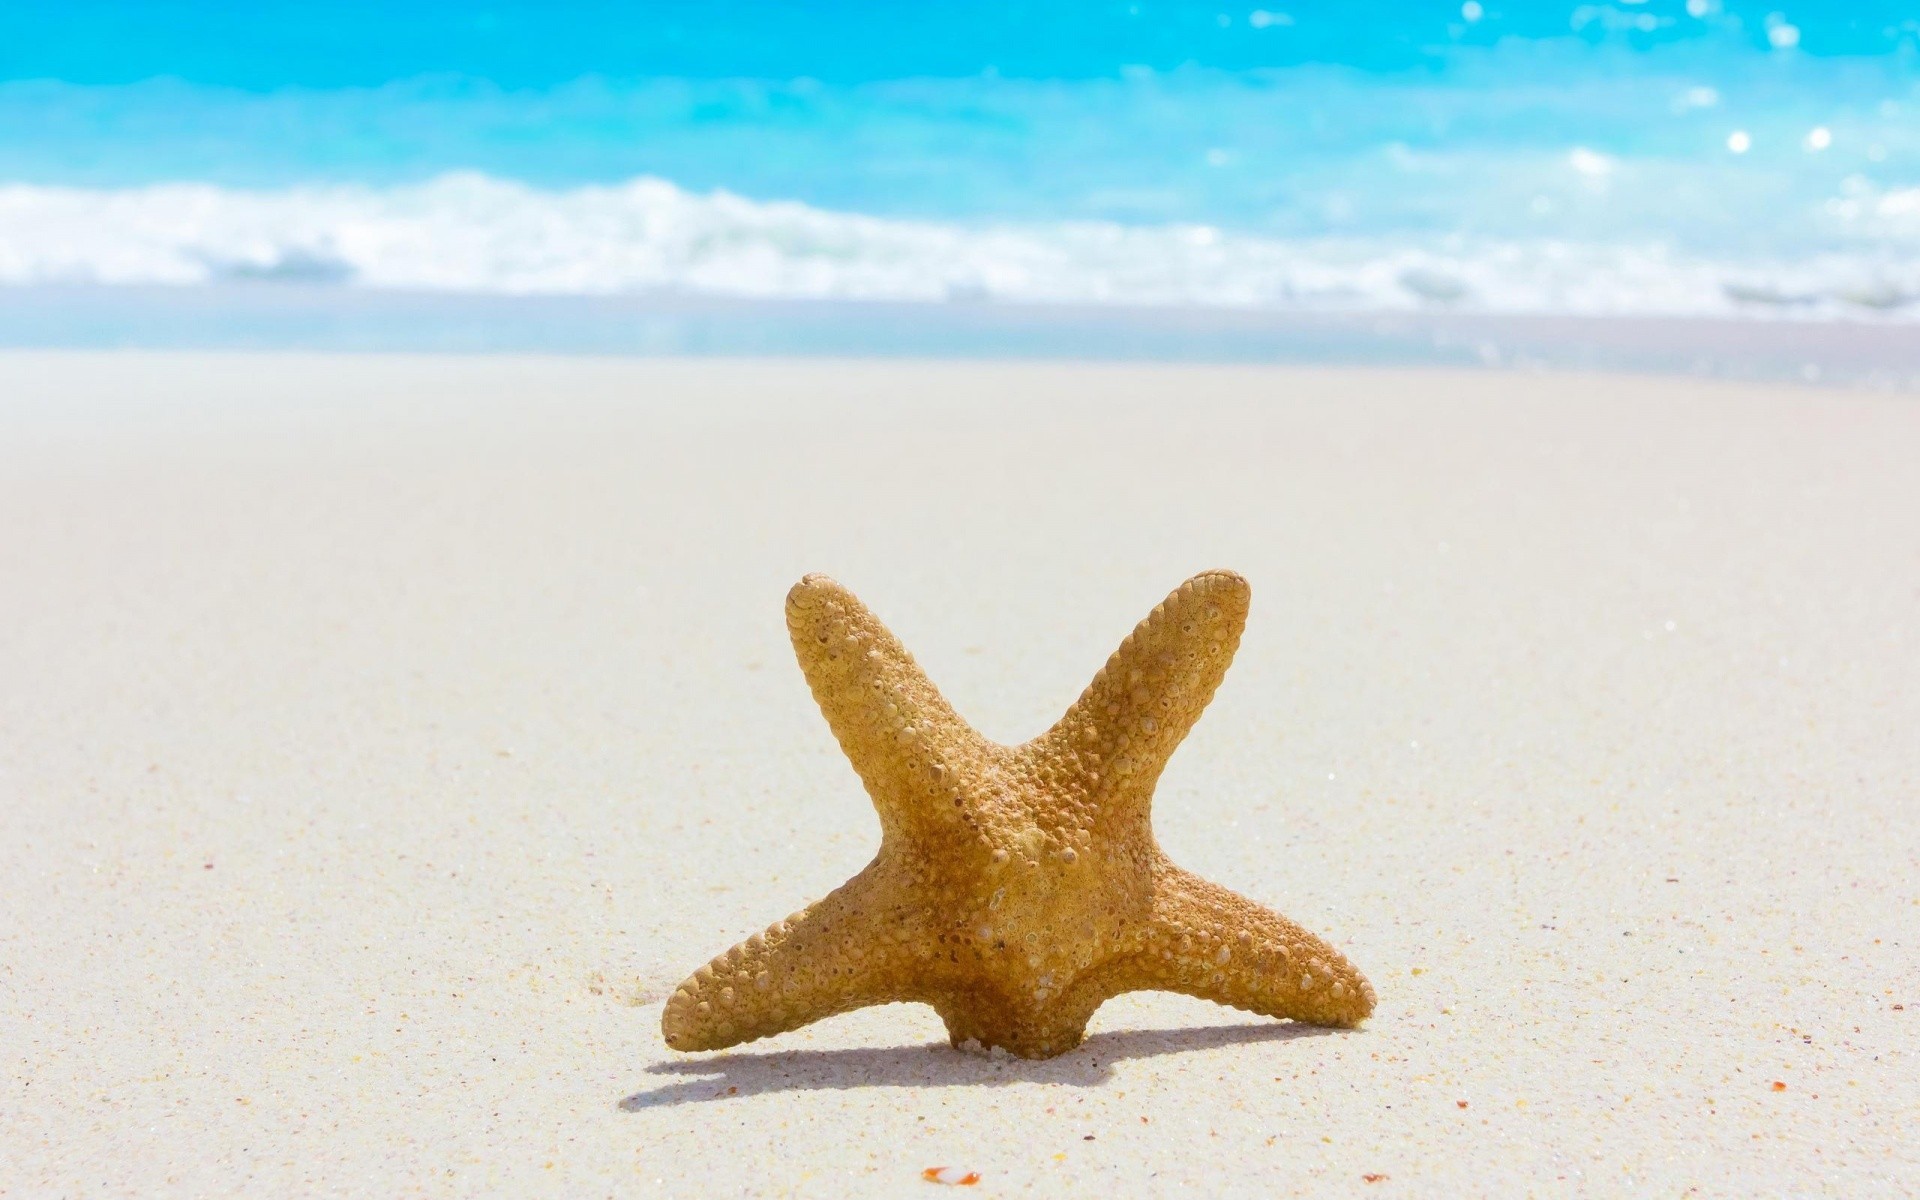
(383, 738)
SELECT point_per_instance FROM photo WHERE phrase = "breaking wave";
(478, 234)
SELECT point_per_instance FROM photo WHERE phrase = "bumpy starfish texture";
(1017, 887)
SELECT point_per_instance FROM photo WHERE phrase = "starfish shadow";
(735, 1076)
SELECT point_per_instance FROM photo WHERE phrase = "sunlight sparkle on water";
(935, 160)
(1589, 163)
(1697, 97)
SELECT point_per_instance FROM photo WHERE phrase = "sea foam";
(472, 233)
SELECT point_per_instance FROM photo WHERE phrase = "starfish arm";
(1206, 941)
(854, 948)
(1140, 706)
(896, 728)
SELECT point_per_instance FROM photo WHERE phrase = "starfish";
(1017, 888)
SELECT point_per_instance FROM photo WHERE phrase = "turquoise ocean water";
(1668, 157)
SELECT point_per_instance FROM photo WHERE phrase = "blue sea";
(1651, 159)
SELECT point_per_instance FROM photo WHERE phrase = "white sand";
(381, 738)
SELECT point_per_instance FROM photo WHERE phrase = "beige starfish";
(1016, 887)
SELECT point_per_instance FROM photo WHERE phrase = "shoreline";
(1866, 352)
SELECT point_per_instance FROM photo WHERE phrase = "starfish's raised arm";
(1134, 714)
(1212, 943)
(896, 728)
(854, 948)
